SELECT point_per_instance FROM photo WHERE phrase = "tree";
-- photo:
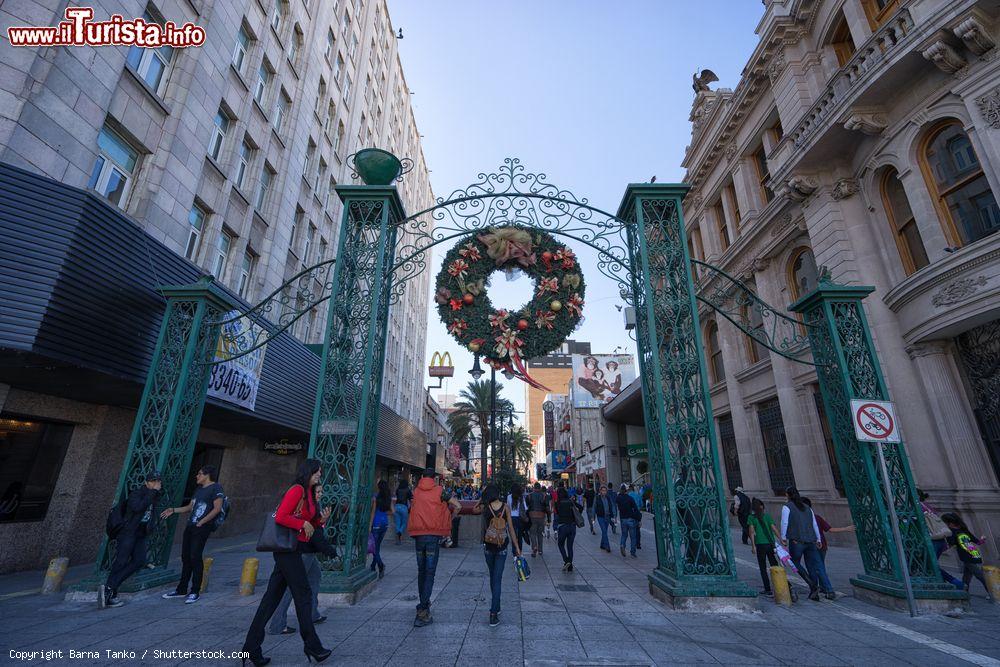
(474, 409)
(524, 451)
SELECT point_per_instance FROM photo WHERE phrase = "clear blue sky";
(596, 94)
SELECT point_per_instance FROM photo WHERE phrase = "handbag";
(277, 538)
(935, 526)
(371, 543)
(577, 515)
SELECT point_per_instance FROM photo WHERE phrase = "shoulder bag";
(277, 538)
(577, 516)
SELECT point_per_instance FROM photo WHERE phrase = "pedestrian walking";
(763, 534)
(588, 497)
(613, 497)
(800, 533)
(567, 527)
(431, 513)
(300, 512)
(539, 511)
(519, 514)
(741, 508)
(968, 550)
(314, 575)
(138, 521)
(629, 514)
(604, 511)
(381, 510)
(498, 532)
(206, 504)
(403, 498)
(448, 496)
(939, 534)
(637, 497)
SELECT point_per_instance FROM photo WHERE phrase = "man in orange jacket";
(430, 520)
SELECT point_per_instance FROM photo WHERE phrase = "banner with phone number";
(236, 380)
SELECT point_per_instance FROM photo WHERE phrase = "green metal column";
(848, 368)
(693, 547)
(166, 426)
(345, 419)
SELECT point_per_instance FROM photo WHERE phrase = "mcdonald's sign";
(441, 366)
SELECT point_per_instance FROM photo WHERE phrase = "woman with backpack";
(498, 532)
(381, 509)
(762, 533)
(967, 546)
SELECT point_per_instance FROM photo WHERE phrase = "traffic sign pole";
(904, 567)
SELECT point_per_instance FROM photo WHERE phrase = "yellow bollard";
(248, 579)
(207, 562)
(54, 575)
(992, 573)
(779, 584)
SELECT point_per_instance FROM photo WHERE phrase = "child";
(763, 534)
(968, 550)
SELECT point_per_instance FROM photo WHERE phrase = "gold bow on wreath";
(509, 244)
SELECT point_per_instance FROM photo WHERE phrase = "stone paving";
(600, 614)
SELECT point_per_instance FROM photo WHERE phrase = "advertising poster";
(598, 378)
(236, 380)
(558, 460)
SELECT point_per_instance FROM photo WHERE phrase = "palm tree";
(524, 451)
(474, 411)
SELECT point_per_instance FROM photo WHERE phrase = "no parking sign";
(874, 421)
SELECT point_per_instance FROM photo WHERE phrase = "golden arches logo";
(441, 365)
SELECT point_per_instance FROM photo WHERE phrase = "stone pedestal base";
(724, 597)
(941, 599)
(339, 590)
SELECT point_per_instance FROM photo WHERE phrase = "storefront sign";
(558, 459)
(640, 450)
(339, 427)
(237, 380)
(550, 425)
(283, 447)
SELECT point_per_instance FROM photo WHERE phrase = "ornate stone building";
(863, 137)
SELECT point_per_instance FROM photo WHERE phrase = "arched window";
(754, 319)
(716, 368)
(802, 273)
(965, 203)
(904, 226)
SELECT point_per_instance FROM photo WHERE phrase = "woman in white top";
(518, 514)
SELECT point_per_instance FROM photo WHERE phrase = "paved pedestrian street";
(599, 614)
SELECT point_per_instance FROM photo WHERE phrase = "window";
(246, 157)
(279, 15)
(729, 192)
(716, 367)
(730, 455)
(320, 178)
(347, 87)
(320, 97)
(831, 452)
(222, 254)
(338, 70)
(330, 43)
(218, 134)
(310, 159)
(331, 111)
(241, 49)
(753, 318)
(763, 175)
(310, 237)
(246, 273)
(196, 219)
(965, 202)
(842, 42)
(264, 76)
(901, 220)
(31, 458)
(777, 132)
(803, 276)
(345, 22)
(296, 225)
(341, 131)
(720, 225)
(151, 65)
(322, 250)
(295, 46)
(114, 167)
(266, 179)
(352, 50)
(330, 190)
(879, 11)
(281, 108)
(772, 430)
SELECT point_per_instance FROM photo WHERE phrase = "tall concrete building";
(862, 137)
(554, 371)
(157, 166)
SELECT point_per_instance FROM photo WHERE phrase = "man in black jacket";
(140, 517)
(604, 508)
(630, 516)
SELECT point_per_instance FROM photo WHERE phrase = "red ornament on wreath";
(506, 338)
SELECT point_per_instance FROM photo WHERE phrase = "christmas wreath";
(505, 338)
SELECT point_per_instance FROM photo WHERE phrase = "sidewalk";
(600, 614)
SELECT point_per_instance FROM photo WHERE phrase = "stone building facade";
(863, 137)
(228, 153)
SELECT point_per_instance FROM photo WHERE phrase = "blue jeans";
(428, 547)
(402, 516)
(567, 533)
(379, 533)
(494, 562)
(603, 522)
(816, 577)
(630, 528)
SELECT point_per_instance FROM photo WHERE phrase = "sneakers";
(173, 594)
(494, 619)
(565, 567)
(114, 600)
(814, 596)
(423, 618)
(192, 598)
(832, 595)
(768, 594)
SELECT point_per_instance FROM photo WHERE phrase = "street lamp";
(477, 370)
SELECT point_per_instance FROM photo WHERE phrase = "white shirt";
(784, 523)
(514, 511)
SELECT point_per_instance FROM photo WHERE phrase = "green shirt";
(762, 529)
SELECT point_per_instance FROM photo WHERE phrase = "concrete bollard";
(55, 574)
(248, 578)
(207, 565)
(992, 573)
(779, 584)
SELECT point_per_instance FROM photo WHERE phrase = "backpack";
(223, 514)
(496, 531)
(116, 518)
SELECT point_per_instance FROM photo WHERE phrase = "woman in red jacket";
(299, 511)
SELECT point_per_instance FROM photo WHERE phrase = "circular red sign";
(866, 426)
